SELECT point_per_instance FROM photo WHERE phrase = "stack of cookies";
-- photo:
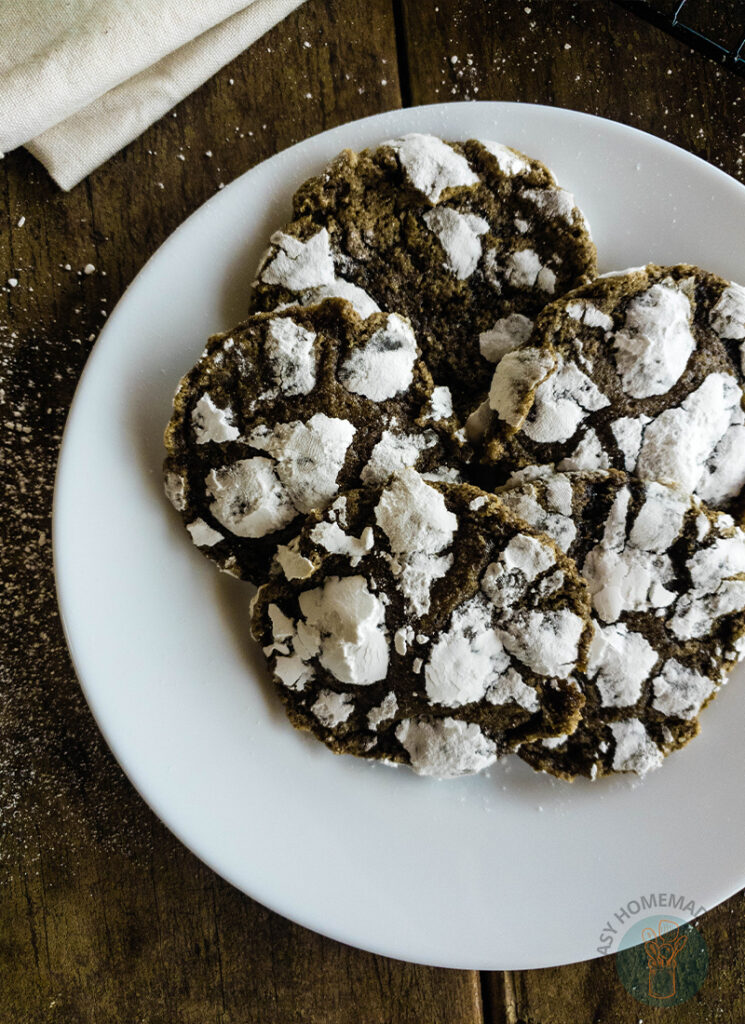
(490, 500)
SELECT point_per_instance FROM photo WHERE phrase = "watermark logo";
(661, 960)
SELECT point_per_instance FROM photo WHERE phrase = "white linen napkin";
(79, 79)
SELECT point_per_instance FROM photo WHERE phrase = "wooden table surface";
(104, 916)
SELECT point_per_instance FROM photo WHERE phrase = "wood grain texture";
(597, 58)
(104, 916)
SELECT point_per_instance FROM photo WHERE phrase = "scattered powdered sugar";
(619, 662)
(679, 691)
(331, 708)
(202, 534)
(635, 750)
(211, 423)
(445, 747)
(334, 540)
(299, 266)
(654, 344)
(351, 624)
(510, 162)
(431, 165)
(289, 348)
(383, 712)
(507, 334)
(459, 235)
(551, 202)
(394, 452)
(249, 498)
(384, 365)
(308, 457)
(561, 402)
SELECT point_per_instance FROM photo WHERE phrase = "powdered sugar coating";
(174, 485)
(331, 708)
(339, 288)
(212, 424)
(249, 499)
(469, 660)
(680, 444)
(414, 517)
(654, 344)
(509, 160)
(516, 375)
(589, 314)
(334, 540)
(383, 712)
(203, 534)
(619, 663)
(289, 347)
(460, 236)
(297, 265)
(384, 366)
(635, 751)
(431, 165)
(445, 747)
(393, 452)
(308, 457)
(679, 691)
(728, 315)
(561, 403)
(546, 641)
(552, 202)
(508, 333)
(351, 623)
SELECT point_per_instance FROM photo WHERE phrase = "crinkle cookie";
(641, 371)
(469, 240)
(286, 410)
(424, 624)
(666, 576)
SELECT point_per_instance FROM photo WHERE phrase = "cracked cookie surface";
(424, 624)
(641, 371)
(666, 576)
(469, 240)
(286, 410)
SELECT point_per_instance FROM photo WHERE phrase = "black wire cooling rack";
(714, 27)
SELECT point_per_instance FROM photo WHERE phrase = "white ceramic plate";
(509, 870)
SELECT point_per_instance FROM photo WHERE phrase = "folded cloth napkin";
(79, 79)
